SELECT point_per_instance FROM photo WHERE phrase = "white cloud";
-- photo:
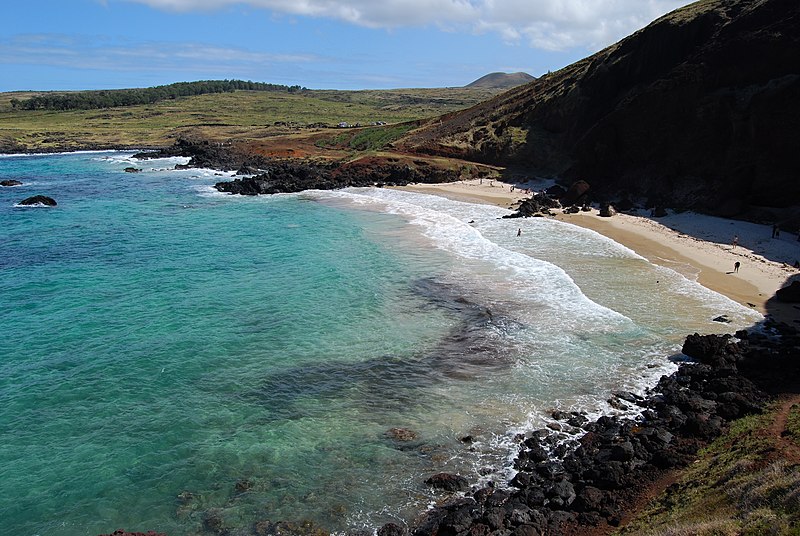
(545, 24)
(105, 53)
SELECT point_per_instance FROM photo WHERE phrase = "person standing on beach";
(519, 231)
(735, 241)
(736, 266)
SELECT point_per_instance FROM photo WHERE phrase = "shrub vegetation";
(90, 100)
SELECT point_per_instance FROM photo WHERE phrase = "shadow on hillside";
(780, 373)
(786, 312)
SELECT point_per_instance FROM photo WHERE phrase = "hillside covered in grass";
(746, 482)
(217, 116)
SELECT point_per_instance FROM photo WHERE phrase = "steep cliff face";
(700, 109)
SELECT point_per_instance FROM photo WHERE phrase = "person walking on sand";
(519, 231)
(735, 241)
(736, 266)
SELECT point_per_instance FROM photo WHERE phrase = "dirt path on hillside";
(787, 448)
(783, 447)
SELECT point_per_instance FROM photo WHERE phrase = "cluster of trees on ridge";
(89, 100)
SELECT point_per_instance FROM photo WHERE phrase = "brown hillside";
(699, 109)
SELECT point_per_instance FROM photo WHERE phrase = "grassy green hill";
(241, 115)
(747, 482)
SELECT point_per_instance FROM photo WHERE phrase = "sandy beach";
(697, 246)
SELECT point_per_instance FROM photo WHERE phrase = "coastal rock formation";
(566, 485)
(448, 482)
(11, 182)
(39, 200)
(577, 194)
(536, 204)
(296, 176)
(606, 210)
(132, 170)
(270, 176)
(698, 109)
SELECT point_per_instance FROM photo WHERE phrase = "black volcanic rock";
(565, 487)
(536, 204)
(577, 194)
(392, 529)
(606, 210)
(39, 200)
(448, 482)
(207, 154)
(11, 182)
(296, 176)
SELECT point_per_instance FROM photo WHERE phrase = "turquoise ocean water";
(169, 353)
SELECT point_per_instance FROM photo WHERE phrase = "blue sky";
(338, 44)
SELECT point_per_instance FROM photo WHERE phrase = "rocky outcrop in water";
(11, 182)
(39, 200)
(564, 483)
(207, 154)
(448, 482)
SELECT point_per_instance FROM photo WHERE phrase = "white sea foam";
(570, 349)
(557, 317)
(117, 157)
(35, 205)
(206, 190)
(165, 164)
(540, 282)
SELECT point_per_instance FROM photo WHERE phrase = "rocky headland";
(583, 477)
(264, 175)
(697, 111)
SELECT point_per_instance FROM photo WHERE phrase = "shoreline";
(707, 260)
(600, 482)
(629, 229)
